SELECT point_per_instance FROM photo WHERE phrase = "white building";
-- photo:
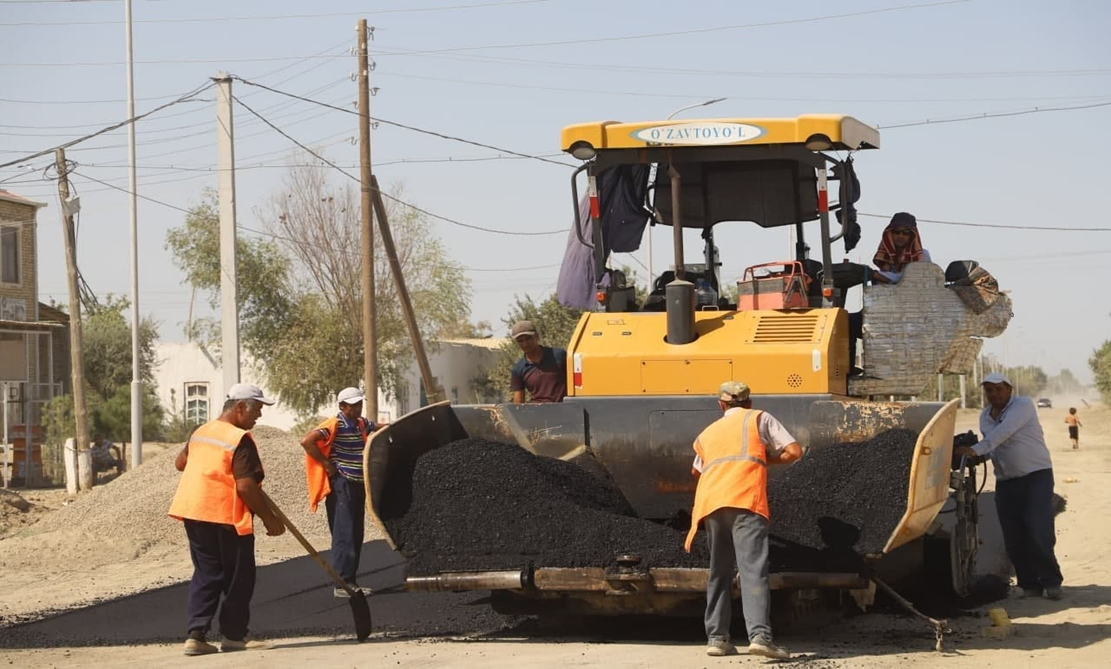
(190, 381)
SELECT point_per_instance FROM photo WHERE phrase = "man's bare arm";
(309, 443)
(250, 492)
(789, 454)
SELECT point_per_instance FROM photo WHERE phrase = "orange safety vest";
(315, 475)
(734, 468)
(207, 488)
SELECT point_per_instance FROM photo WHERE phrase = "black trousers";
(223, 564)
(1025, 509)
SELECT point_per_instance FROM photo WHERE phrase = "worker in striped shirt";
(337, 445)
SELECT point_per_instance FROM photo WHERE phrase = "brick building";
(33, 339)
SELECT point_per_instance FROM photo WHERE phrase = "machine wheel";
(964, 538)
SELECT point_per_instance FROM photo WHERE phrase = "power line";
(128, 191)
(694, 31)
(769, 74)
(387, 195)
(976, 117)
(402, 125)
(66, 145)
(276, 16)
(322, 247)
(996, 225)
(705, 95)
(596, 40)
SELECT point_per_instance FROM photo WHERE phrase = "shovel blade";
(360, 610)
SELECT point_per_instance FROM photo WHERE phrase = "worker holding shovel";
(217, 498)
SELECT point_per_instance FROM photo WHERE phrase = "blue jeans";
(738, 543)
(223, 564)
(346, 519)
(1025, 509)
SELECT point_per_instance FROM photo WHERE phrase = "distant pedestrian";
(1014, 440)
(218, 496)
(1074, 424)
(334, 469)
(105, 455)
(731, 501)
(541, 371)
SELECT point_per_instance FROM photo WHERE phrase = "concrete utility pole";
(136, 379)
(229, 298)
(77, 351)
(432, 389)
(370, 315)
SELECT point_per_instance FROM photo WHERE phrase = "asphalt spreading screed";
(844, 497)
(484, 505)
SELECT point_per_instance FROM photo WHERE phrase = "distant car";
(1044, 403)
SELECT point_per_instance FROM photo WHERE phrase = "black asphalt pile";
(483, 505)
(842, 499)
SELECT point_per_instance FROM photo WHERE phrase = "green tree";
(303, 313)
(107, 341)
(1100, 362)
(262, 272)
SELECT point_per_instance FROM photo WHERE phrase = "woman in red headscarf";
(899, 247)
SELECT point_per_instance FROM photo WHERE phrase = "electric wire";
(402, 125)
(391, 197)
(1001, 226)
(274, 17)
(184, 98)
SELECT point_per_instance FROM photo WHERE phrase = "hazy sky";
(512, 74)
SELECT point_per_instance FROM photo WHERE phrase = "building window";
(9, 254)
(196, 403)
(402, 398)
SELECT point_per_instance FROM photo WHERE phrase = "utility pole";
(432, 389)
(229, 299)
(136, 380)
(370, 316)
(77, 352)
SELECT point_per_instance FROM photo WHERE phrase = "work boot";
(233, 645)
(764, 647)
(199, 647)
(1053, 592)
(720, 648)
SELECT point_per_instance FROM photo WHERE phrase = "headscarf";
(887, 258)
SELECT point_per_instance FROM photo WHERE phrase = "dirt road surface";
(125, 610)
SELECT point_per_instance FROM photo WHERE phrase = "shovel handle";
(307, 546)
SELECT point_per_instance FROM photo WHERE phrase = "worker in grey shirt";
(1014, 441)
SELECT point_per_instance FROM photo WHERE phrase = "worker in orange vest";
(334, 472)
(731, 503)
(217, 497)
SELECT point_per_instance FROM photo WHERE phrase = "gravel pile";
(484, 505)
(132, 508)
(843, 498)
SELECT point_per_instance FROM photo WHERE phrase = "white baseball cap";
(350, 396)
(997, 377)
(247, 391)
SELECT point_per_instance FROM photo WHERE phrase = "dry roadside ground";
(1075, 632)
